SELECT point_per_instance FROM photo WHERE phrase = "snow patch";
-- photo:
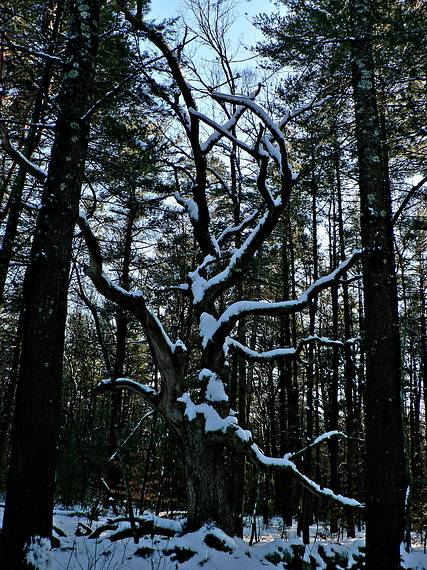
(215, 391)
(208, 327)
(38, 553)
(213, 421)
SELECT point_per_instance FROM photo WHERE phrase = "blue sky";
(245, 10)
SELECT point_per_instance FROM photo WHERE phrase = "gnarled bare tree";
(199, 412)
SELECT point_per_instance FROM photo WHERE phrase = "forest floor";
(209, 548)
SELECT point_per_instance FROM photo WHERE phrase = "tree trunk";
(208, 481)
(115, 469)
(288, 397)
(30, 489)
(334, 385)
(307, 500)
(349, 372)
(385, 469)
(423, 343)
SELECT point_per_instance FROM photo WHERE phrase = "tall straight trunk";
(238, 380)
(288, 403)
(385, 457)
(30, 489)
(349, 372)
(423, 343)
(414, 417)
(114, 476)
(240, 469)
(334, 386)
(7, 399)
(307, 498)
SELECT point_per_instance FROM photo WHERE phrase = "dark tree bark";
(30, 490)
(7, 400)
(307, 506)
(423, 342)
(209, 481)
(385, 467)
(334, 385)
(287, 490)
(349, 372)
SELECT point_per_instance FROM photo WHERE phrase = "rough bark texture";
(29, 500)
(386, 480)
(208, 488)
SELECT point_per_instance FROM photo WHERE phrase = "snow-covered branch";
(279, 154)
(219, 328)
(286, 462)
(224, 131)
(266, 356)
(131, 300)
(146, 392)
(22, 160)
(320, 439)
(256, 108)
(168, 355)
(136, 527)
(216, 136)
(314, 103)
(189, 205)
(234, 230)
(221, 281)
(283, 352)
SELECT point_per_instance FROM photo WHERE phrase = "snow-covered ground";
(209, 548)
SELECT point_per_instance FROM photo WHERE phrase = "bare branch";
(285, 352)
(42, 54)
(135, 429)
(223, 131)
(146, 392)
(407, 198)
(201, 225)
(18, 157)
(220, 328)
